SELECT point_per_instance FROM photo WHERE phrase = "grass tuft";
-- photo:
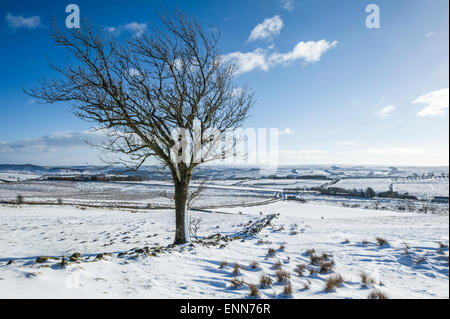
(333, 282)
(299, 269)
(377, 294)
(265, 281)
(237, 283)
(326, 267)
(271, 252)
(254, 265)
(366, 279)
(287, 290)
(236, 269)
(277, 265)
(254, 292)
(282, 276)
(381, 241)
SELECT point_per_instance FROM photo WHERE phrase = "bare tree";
(152, 95)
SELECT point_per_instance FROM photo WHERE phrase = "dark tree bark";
(152, 96)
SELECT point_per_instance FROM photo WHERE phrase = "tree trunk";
(181, 214)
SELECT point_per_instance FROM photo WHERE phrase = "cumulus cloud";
(268, 28)
(436, 103)
(310, 52)
(386, 111)
(249, 61)
(288, 5)
(15, 22)
(138, 29)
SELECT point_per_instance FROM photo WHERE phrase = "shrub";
(254, 292)
(223, 264)
(60, 202)
(377, 294)
(333, 282)
(282, 248)
(265, 281)
(282, 276)
(381, 241)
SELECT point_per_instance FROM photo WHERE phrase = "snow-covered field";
(346, 234)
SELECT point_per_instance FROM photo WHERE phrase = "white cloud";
(436, 103)
(138, 29)
(249, 61)
(286, 131)
(15, 22)
(310, 51)
(386, 111)
(268, 28)
(288, 5)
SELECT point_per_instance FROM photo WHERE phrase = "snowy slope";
(193, 272)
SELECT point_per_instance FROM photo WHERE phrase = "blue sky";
(346, 95)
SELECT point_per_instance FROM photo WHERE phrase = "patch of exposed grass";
(265, 281)
(287, 289)
(282, 275)
(277, 265)
(237, 283)
(236, 269)
(254, 265)
(310, 252)
(381, 241)
(254, 292)
(223, 264)
(299, 269)
(333, 282)
(377, 294)
(271, 252)
(326, 267)
(366, 279)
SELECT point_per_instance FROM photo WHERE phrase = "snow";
(193, 272)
